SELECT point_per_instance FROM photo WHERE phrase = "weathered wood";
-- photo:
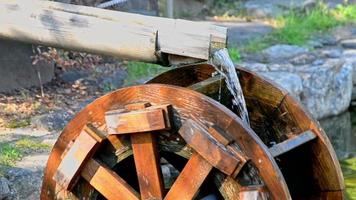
(136, 121)
(193, 105)
(253, 193)
(26, 21)
(107, 182)
(220, 135)
(210, 149)
(190, 179)
(291, 143)
(147, 166)
(84, 146)
(129, 36)
(137, 105)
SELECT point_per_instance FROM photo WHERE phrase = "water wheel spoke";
(107, 182)
(208, 86)
(217, 154)
(190, 179)
(292, 143)
(147, 165)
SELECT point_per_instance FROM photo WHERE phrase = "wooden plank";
(292, 143)
(81, 28)
(220, 135)
(29, 22)
(84, 146)
(190, 179)
(107, 182)
(147, 166)
(210, 149)
(136, 121)
(253, 193)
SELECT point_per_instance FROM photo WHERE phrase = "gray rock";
(303, 59)
(326, 89)
(16, 69)
(4, 188)
(282, 52)
(289, 81)
(56, 120)
(350, 43)
(281, 67)
(331, 53)
(350, 57)
(318, 62)
(256, 67)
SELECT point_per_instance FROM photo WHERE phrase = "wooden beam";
(129, 36)
(210, 149)
(291, 143)
(84, 146)
(107, 182)
(147, 165)
(190, 179)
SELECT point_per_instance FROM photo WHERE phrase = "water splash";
(223, 64)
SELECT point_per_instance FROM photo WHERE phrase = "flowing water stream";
(224, 65)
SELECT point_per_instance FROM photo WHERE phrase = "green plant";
(18, 123)
(9, 154)
(139, 70)
(12, 152)
(235, 55)
(349, 171)
(27, 143)
(296, 28)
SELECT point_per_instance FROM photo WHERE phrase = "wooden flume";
(128, 36)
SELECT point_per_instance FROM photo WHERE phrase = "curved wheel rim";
(160, 94)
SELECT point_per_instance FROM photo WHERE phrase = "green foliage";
(27, 143)
(235, 55)
(139, 70)
(349, 170)
(9, 154)
(296, 28)
(18, 123)
(12, 152)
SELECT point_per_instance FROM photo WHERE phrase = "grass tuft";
(12, 152)
(296, 28)
(139, 70)
(18, 123)
(235, 55)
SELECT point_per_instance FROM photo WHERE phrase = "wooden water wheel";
(211, 150)
(298, 144)
(119, 145)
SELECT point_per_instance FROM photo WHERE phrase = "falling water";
(223, 64)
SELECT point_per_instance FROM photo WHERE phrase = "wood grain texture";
(211, 150)
(197, 107)
(137, 121)
(190, 179)
(292, 143)
(107, 182)
(147, 165)
(29, 22)
(80, 28)
(84, 146)
(220, 135)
